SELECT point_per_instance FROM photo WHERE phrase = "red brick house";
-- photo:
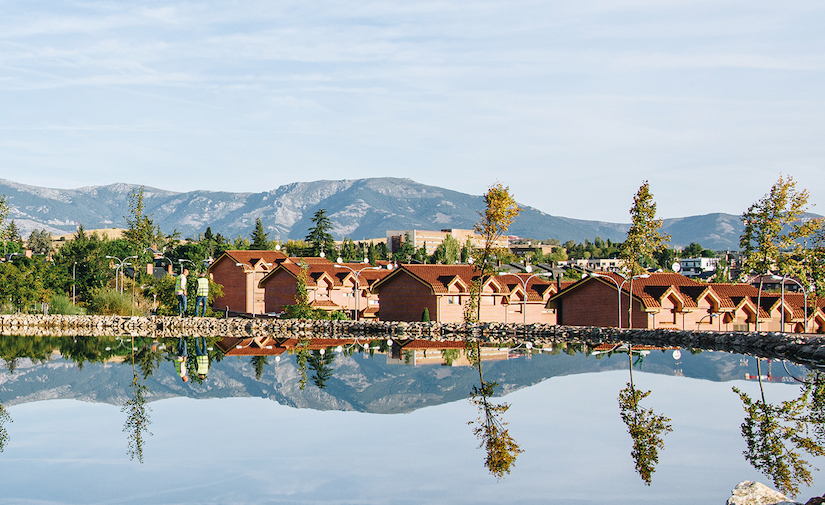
(669, 300)
(444, 290)
(240, 272)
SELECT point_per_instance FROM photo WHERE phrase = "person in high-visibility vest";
(180, 360)
(180, 290)
(202, 295)
(201, 358)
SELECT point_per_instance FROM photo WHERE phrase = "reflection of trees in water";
(258, 363)
(301, 356)
(502, 449)
(4, 434)
(779, 435)
(13, 348)
(645, 427)
(319, 362)
(137, 416)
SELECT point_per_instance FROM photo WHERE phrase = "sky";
(709, 100)
(252, 450)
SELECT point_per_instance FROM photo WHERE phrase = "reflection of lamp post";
(524, 282)
(339, 264)
(804, 293)
(711, 316)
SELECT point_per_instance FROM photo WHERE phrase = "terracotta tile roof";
(430, 344)
(325, 304)
(537, 287)
(439, 277)
(252, 257)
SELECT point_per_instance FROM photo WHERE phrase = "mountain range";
(359, 209)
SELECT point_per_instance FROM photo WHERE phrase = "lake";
(389, 425)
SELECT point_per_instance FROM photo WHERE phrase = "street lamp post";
(524, 282)
(244, 266)
(630, 298)
(356, 273)
(618, 292)
(121, 262)
(804, 294)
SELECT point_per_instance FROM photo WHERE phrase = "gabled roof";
(253, 259)
(437, 277)
(321, 268)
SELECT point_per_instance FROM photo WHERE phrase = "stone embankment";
(797, 347)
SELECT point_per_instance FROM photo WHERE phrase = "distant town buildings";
(430, 240)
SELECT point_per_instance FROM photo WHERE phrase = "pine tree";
(319, 237)
(260, 239)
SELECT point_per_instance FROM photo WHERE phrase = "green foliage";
(4, 433)
(107, 301)
(695, 250)
(62, 304)
(772, 227)
(646, 429)
(471, 307)
(40, 241)
(319, 238)
(22, 283)
(301, 357)
(500, 210)
(258, 363)
(778, 435)
(260, 239)
(140, 230)
(137, 420)
(320, 363)
(644, 237)
(425, 316)
(448, 252)
(502, 450)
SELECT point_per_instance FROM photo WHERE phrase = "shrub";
(62, 304)
(108, 301)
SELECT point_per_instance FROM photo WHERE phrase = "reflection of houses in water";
(275, 346)
(447, 353)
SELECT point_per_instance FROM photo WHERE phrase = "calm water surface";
(383, 429)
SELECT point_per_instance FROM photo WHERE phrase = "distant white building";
(594, 264)
(694, 267)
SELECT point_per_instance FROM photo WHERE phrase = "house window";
(453, 300)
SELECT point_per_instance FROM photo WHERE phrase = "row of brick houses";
(669, 300)
(258, 282)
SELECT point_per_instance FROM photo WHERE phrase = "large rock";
(756, 493)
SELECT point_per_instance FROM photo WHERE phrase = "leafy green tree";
(500, 210)
(777, 435)
(137, 415)
(351, 253)
(40, 241)
(772, 228)
(490, 427)
(644, 237)
(140, 229)
(447, 252)
(319, 238)
(260, 238)
(4, 433)
(405, 252)
(646, 428)
(425, 316)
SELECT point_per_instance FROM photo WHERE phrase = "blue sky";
(708, 100)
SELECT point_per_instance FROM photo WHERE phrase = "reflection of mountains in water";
(371, 378)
